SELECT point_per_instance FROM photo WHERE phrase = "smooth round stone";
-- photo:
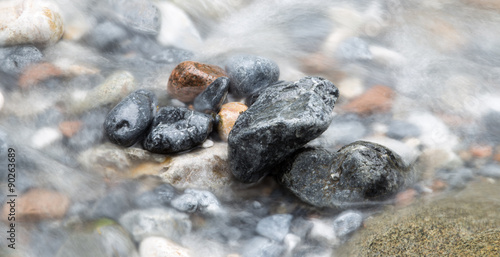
(139, 16)
(228, 114)
(212, 98)
(401, 129)
(249, 74)
(189, 79)
(275, 227)
(30, 22)
(177, 129)
(347, 222)
(130, 119)
(196, 200)
(17, 58)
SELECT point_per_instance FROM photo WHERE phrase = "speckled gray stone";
(275, 227)
(130, 119)
(250, 73)
(358, 174)
(16, 58)
(284, 118)
(211, 99)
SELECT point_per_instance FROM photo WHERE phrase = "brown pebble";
(438, 185)
(189, 79)
(70, 128)
(37, 73)
(406, 197)
(481, 151)
(229, 113)
(375, 100)
(38, 204)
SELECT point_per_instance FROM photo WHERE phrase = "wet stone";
(283, 119)
(347, 222)
(159, 196)
(197, 200)
(172, 55)
(275, 227)
(354, 49)
(130, 119)
(401, 129)
(139, 16)
(189, 79)
(212, 98)
(249, 74)
(16, 58)
(357, 174)
(177, 129)
(228, 115)
(105, 35)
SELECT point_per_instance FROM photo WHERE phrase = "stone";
(375, 100)
(139, 16)
(115, 239)
(249, 74)
(172, 55)
(275, 227)
(347, 222)
(211, 100)
(177, 28)
(17, 58)
(38, 204)
(322, 232)
(491, 124)
(105, 35)
(44, 137)
(284, 118)
(70, 128)
(194, 200)
(161, 195)
(189, 79)
(490, 170)
(163, 222)
(108, 159)
(228, 115)
(357, 174)
(34, 74)
(262, 247)
(128, 121)
(155, 246)
(353, 49)
(177, 129)
(481, 151)
(82, 245)
(456, 178)
(434, 133)
(399, 129)
(30, 22)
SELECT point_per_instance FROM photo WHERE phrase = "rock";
(322, 231)
(357, 174)
(197, 200)
(70, 128)
(163, 222)
(408, 152)
(212, 98)
(172, 55)
(34, 74)
(490, 170)
(105, 35)
(353, 49)
(44, 137)
(139, 16)
(91, 132)
(275, 227)
(399, 129)
(284, 118)
(161, 247)
(162, 195)
(491, 123)
(457, 178)
(177, 28)
(376, 99)
(177, 129)
(347, 222)
(434, 133)
(228, 114)
(262, 247)
(30, 22)
(434, 159)
(249, 74)
(38, 204)
(116, 241)
(189, 79)
(107, 159)
(15, 59)
(481, 151)
(128, 121)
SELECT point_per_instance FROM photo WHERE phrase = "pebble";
(456, 178)
(172, 55)
(357, 174)
(70, 128)
(128, 121)
(139, 16)
(275, 227)
(82, 245)
(212, 98)
(15, 59)
(108, 159)
(353, 49)
(161, 195)
(194, 200)
(45, 136)
(155, 246)
(115, 239)
(262, 247)
(399, 130)
(490, 170)
(322, 231)
(250, 74)
(38, 204)
(228, 115)
(163, 222)
(434, 133)
(375, 100)
(189, 79)
(284, 118)
(347, 222)
(34, 74)
(105, 35)
(30, 22)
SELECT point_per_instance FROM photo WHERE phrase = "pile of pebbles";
(134, 137)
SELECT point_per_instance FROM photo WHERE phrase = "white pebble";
(45, 136)
(208, 143)
(323, 232)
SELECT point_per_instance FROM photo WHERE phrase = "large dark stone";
(284, 118)
(177, 129)
(357, 175)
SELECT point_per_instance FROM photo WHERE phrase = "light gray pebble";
(275, 227)
(347, 222)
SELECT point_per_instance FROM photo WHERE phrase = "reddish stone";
(376, 99)
(481, 151)
(37, 73)
(406, 197)
(438, 185)
(229, 113)
(189, 79)
(39, 204)
(69, 128)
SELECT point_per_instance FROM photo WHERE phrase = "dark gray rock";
(262, 247)
(402, 129)
(177, 129)
(356, 175)
(284, 118)
(130, 119)
(275, 227)
(16, 58)
(212, 98)
(250, 74)
(347, 222)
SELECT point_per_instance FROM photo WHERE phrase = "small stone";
(172, 55)
(189, 79)
(70, 128)
(275, 227)
(30, 22)
(177, 28)
(347, 222)
(37, 73)
(105, 35)
(249, 74)
(161, 247)
(490, 170)
(212, 98)
(130, 119)
(399, 129)
(108, 159)
(406, 197)
(323, 233)
(17, 58)
(284, 118)
(177, 129)
(262, 247)
(197, 200)
(140, 16)
(228, 114)
(438, 185)
(375, 100)
(481, 151)
(353, 49)
(38, 204)
(45, 136)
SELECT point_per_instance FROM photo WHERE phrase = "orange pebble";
(228, 115)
